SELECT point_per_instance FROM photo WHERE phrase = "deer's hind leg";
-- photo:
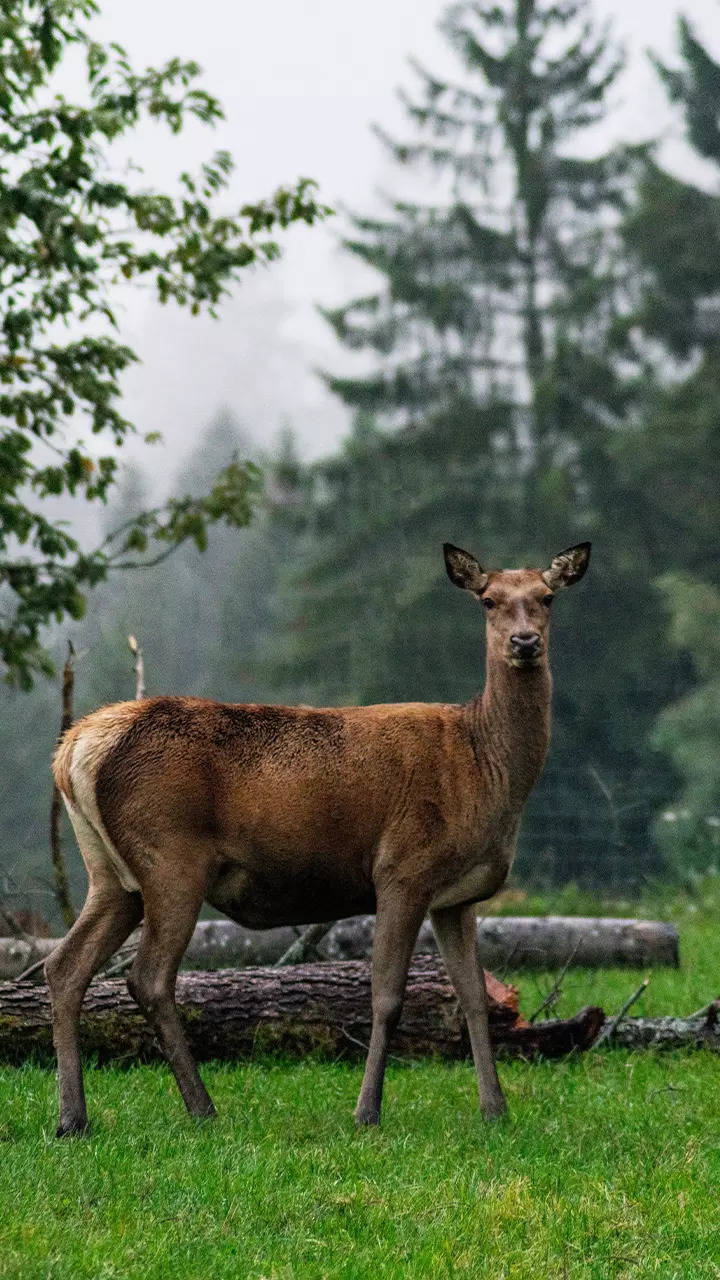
(455, 930)
(109, 915)
(172, 905)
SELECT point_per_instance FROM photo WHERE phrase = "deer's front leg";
(455, 930)
(396, 928)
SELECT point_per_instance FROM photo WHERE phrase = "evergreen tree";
(673, 232)
(503, 370)
(671, 462)
(503, 298)
(688, 731)
(254, 607)
(206, 623)
(673, 228)
(175, 610)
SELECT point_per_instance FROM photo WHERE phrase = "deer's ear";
(567, 566)
(463, 569)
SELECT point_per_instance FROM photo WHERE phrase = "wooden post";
(60, 875)
(137, 653)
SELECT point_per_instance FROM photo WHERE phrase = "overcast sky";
(300, 84)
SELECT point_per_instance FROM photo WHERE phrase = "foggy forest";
(530, 359)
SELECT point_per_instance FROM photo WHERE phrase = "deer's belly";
(474, 885)
(263, 902)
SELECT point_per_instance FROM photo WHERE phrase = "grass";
(608, 1167)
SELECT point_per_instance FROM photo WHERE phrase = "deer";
(280, 815)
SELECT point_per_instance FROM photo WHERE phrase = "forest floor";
(609, 1165)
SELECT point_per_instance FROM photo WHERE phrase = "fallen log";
(535, 942)
(592, 942)
(215, 944)
(698, 1030)
(310, 1008)
(17, 954)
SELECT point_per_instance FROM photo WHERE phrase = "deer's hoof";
(202, 1117)
(73, 1129)
(495, 1111)
(367, 1118)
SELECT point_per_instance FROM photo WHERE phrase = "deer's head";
(517, 602)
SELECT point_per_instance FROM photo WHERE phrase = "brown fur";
(280, 815)
(105, 726)
(62, 759)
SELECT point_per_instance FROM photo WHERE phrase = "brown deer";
(279, 815)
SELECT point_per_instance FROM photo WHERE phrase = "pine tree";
(256, 603)
(671, 461)
(176, 609)
(503, 297)
(502, 372)
(673, 233)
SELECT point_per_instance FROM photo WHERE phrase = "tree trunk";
(534, 942)
(321, 1008)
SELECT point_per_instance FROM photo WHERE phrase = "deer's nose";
(525, 644)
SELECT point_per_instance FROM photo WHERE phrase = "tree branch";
(139, 667)
(62, 887)
(608, 1031)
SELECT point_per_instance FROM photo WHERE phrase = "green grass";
(608, 1167)
(670, 990)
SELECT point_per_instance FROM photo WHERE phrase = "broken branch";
(62, 886)
(137, 653)
(609, 1030)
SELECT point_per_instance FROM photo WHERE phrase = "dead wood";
(698, 1030)
(305, 947)
(60, 875)
(137, 653)
(611, 1027)
(322, 1008)
(553, 943)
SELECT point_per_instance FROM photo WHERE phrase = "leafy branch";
(71, 233)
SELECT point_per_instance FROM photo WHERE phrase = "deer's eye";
(487, 602)
(547, 601)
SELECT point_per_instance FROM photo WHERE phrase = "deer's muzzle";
(526, 646)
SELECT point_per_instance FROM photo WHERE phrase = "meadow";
(608, 1166)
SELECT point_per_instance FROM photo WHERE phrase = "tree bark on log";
(319, 1008)
(534, 942)
(699, 1030)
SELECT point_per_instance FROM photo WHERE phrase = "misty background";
(385, 427)
(301, 86)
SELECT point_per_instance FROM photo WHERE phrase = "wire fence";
(584, 828)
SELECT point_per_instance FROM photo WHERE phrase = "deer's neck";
(509, 724)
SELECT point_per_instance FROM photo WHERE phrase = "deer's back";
(266, 783)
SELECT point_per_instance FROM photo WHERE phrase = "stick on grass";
(609, 1030)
